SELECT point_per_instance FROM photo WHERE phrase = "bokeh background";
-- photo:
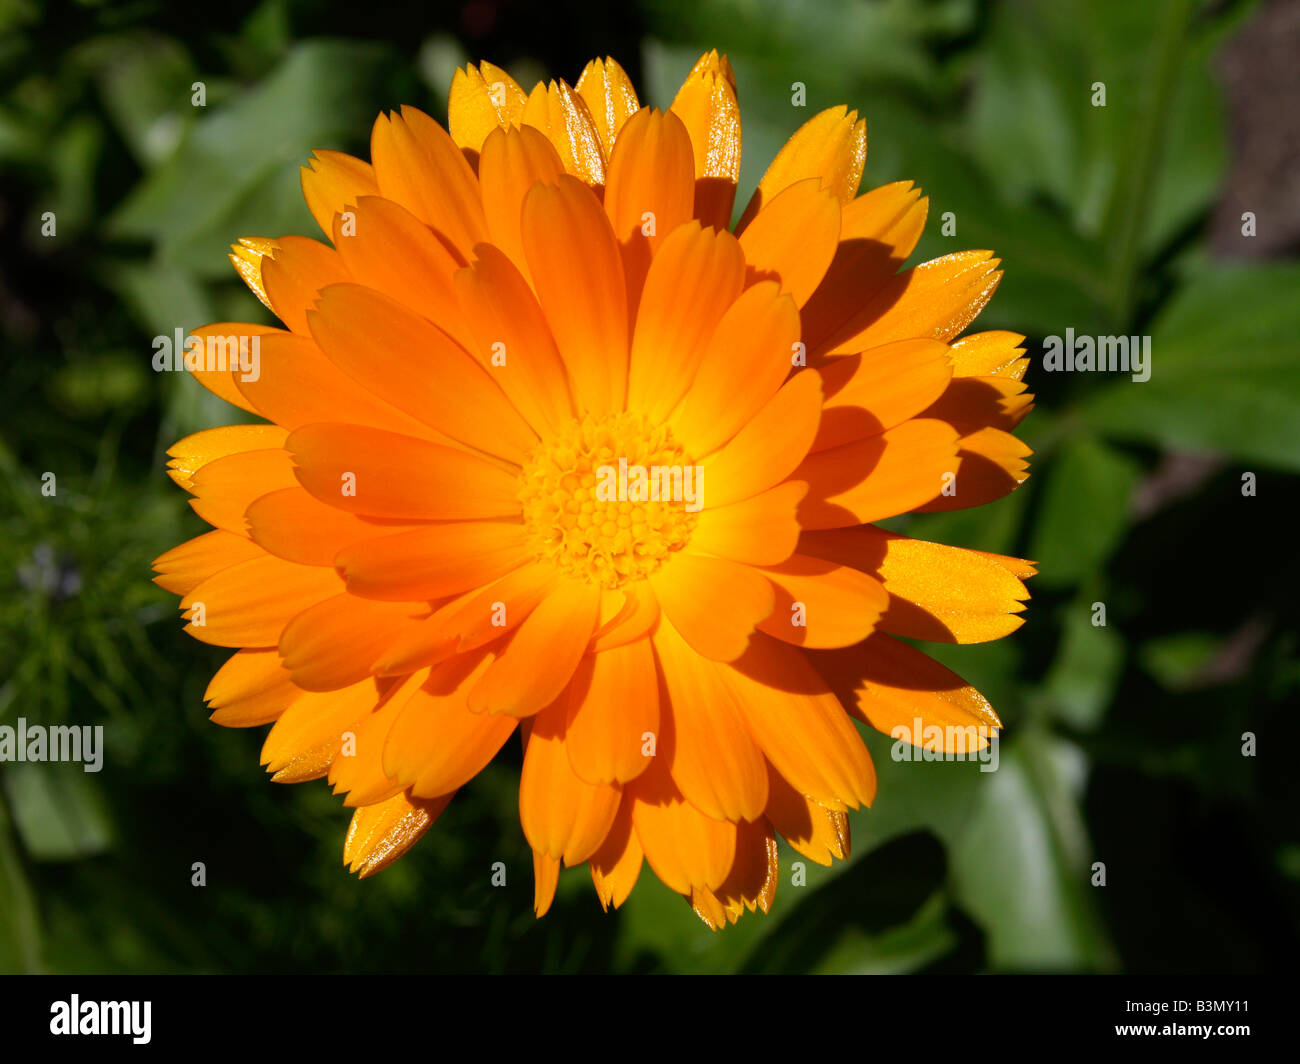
(1124, 743)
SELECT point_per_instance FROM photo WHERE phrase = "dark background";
(1124, 743)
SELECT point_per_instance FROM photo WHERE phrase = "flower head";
(545, 447)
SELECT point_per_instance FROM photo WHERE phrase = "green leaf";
(1032, 67)
(853, 43)
(145, 80)
(20, 936)
(58, 811)
(1084, 510)
(115, 380)
(74, 155)
(237, 172)
(1131, 172)
(1022, 867)
(1224, 376)
(1082, 679)
(266, 32)
(917, 794)
(1040, 62)
(1175, 660)
(884, 913)
(162, 299)
(906, 947)
(1018, 863)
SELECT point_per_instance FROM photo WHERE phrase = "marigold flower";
(545, 446)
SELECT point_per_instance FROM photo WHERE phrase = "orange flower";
(546, 446)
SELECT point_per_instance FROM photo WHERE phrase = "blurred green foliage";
(1123, 742)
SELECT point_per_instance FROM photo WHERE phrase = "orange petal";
(542, 655)
(713, 761)
(334, 643)
(500, 607)
(879, 476)
(761, 530)
(746, 361)
(793, 239)
(181, 569)
(707, 104)
(225, 489)
(616, 866)
(331, 182)
(611, 705)
(227, 340)
(513, 339)
(299, 386)
(562, 816)
(937, 299)
(989, 354)
(385, 474)
(770, 447)
(575, 264)
(246, 257)
(705, 905)
(295, 526)
(684, 847)
(389, 249)
(192, 453)
(821, 604)
(880, 388)
(637, 615)
(482, 99)
(379, 834)
(973, 403)
(513, 160)
(372, 338)
(251, 688)
(714, 603)
(990, 463)
(309, 734)
(433, 639)
(751, 884)
(294, 273)
(695, 276)
(936, 592)
(1020, 568)
(818, 833)
(878, 231)
(830, 147)
(610, 98)
(895, 687)
(248, 605)
(437, 744)
(418, 165)
(801, 726)
(651, 190)
(563, 116)
(358, 770)
(546, 876)
(428, 563)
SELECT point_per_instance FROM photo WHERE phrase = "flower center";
(608, 499)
